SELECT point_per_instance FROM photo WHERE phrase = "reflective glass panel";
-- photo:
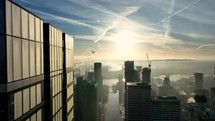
(24, 24)
(8, 17)
(9, 59)
(17, 104)
(17, 58)
(25, 58)
(32, 58)
(16, 20)
(26, 100)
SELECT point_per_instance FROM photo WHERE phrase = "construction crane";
(149, 62)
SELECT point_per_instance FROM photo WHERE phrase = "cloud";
(28, 2)
(205, 46)
(67, 20)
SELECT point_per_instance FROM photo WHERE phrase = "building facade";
(137, 101)
(21, 61)
(68, 80)
(166, 109)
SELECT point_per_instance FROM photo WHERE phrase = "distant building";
(166, 89)
(129, 71)
(137, 101)
(204, 92)
(213, 98)
(21, 64)
(166, 109)
(146, 75)
(85, 100)
(198, 78)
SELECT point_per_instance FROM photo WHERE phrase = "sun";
(125, 41)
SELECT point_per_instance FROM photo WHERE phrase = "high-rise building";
(198, 77)
(146, 75)
(98, 72)
(166, 109)
(58, 84)
(166, 88)
(21, 62)
(129, 71)
(213, 98)
(85, 100)
(137, 101)
(68, 80)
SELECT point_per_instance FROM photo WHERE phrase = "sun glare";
(125, 42)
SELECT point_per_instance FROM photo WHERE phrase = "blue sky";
(127, 29)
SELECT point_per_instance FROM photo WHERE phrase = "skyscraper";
(98, 72)
(166, 109)
(68, 79)
(213, 98)
(137, 101)
(146, 75)
(198, 77)
(166, 88)
(129, 71)
(21, 61)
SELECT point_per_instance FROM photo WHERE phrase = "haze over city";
(119, 30)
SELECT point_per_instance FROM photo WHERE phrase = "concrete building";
(166, 109)
(21, 61)
(137, 101)
(146, 75)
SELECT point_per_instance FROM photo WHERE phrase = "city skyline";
(109, 29)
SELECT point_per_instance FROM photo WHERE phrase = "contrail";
(179, 11)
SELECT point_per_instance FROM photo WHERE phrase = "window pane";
(39, 115)
(16, 22)
(17, 104)
(32, 58)
(39, 95)
(31, 27)
(34, 117)
(33, 95)
(25, 58)
(38, 62)
(37, 22)
(41, 26)
(9, 59)
(24, 24)
(8, 17)
(26, 101)
(17, 58)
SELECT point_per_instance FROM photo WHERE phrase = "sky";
(128, 29)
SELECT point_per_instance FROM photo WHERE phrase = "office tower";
(53, 67)
(138, 76)
(146, 75)
(137, 101)
(99, 80)
(85, 100)
(98, 72)
(129, 71)
(198, 77)
(166, 109)
(68, 80)
(21, 72)
(166, 88)
(58, 84)
(213, 98)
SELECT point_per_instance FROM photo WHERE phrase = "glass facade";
(69, 75)
(23, 63)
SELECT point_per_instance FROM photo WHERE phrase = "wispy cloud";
(205, 46)
(67, 20)
(28, 2)
(177, 12)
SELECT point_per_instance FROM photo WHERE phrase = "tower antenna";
(149, 62)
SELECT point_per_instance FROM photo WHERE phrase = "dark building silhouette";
(129, 71)
(198, 77)
(213, 98)
(137, 101)
(166, 88)
(146, 75)
(21, 62)
(85, 100)
(166, 109)
(89, 96)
